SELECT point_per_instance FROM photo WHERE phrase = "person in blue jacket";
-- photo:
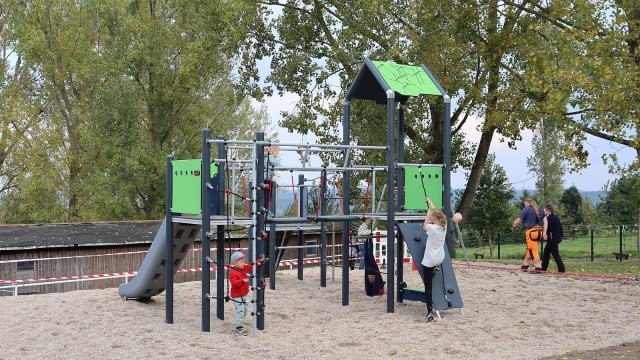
(552, 233)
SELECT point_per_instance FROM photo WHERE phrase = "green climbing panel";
(413, 192)
(187, 186)
(408, 80)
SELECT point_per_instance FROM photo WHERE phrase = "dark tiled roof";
(78, 234)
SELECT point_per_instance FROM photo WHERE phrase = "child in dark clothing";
(552, 233)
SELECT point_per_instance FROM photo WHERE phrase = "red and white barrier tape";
(289, 263)
(103, 255)
(13, 261)
(131, 273)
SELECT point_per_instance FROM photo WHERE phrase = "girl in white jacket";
(435, 225)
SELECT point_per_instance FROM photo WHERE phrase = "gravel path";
(508, 315)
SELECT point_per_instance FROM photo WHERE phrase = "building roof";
(14, 237)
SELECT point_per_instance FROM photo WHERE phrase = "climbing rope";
(228, 192)
(268, 206)
(340, 195)
(293, 189)
(366, 197)
(322, 177)
(246, 199)
(228, 227)
(424, 190)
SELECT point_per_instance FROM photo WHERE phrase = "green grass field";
(576, 248)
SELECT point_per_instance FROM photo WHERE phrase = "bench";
(625, 256)
(479, 255)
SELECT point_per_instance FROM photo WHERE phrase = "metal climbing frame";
(393, 85)
(369, 84)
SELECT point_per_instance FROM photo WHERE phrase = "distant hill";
(285, 198)
(594, 196)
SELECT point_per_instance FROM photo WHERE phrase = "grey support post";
(273, 238)
(346, 139)
(446, 198)
(220, 238)
(168, 265)
(302, 204)
(400, 202)
(251, 233)
(323, 230)
(390, 199)
(205, 205)
(259, 246)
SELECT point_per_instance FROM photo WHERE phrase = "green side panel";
(407, 80)
(413, 192)
(186, 186)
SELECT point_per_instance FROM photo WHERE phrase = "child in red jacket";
(239, 272)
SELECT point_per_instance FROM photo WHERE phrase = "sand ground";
(508, 315)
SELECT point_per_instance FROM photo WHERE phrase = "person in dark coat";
(373, 283)
(552, 233)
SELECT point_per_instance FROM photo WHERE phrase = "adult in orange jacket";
(530, 219)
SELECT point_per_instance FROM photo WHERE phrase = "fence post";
(591, 244)
(498, 240)
(620, 243)
(15, 291)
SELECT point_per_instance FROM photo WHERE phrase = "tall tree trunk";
(488, 130)
(469, 193)
(72, 124)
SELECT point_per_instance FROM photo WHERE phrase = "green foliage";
(508, 64)
(622, 203)
(589, 214)
(123, 84)
(37, 195)
(491, 212)
(547, 162)
(572, 204)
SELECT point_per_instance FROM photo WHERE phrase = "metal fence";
(619, 242)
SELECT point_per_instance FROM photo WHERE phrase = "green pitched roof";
(407, 80)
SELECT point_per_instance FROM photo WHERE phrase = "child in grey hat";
(239, 272)
(239, 277)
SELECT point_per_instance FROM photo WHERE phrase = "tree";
(61, 38)
(20, 103)
(484, 58)
(123, 84)
(589, 213)
(622, 202)
(491, 210)
(547, 162)
(597, 69)
(572, 203)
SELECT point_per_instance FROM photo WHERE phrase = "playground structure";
(193, 197)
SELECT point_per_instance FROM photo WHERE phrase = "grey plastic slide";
(151, 276)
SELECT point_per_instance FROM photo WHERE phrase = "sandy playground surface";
(503, 310)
